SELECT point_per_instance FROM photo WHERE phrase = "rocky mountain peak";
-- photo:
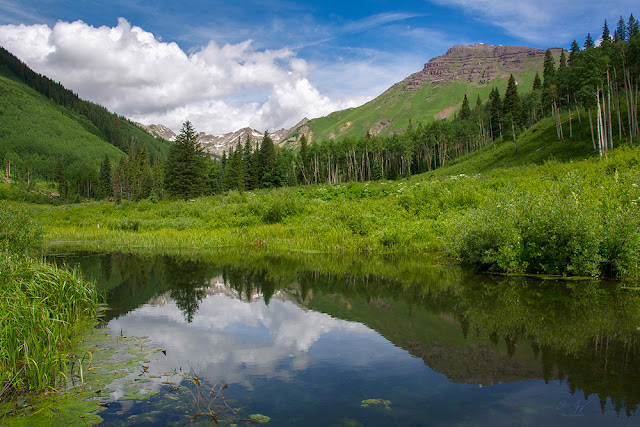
(476, 64)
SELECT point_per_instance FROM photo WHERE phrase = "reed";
(42, 309)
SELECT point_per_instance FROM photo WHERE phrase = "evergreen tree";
(632, 27)
(573, 51)
(589, 42)
(511, 103)
(495, 108)
(235, 172)
(549, 70)
(465, 111)
(537, 84)
(185, 166)
(247, 158)
(267, 161)
(621, 32)
(606, 35)
(105, 184)
(562, 76)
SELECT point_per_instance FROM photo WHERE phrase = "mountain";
(42, 122)
(216, 144)
(434, 93)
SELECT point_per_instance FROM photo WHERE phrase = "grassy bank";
(576, 218)
(42, 308)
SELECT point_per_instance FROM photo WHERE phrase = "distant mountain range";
(217, 144)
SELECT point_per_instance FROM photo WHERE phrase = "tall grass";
(42, 308)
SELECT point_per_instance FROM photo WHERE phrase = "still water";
(319, 340)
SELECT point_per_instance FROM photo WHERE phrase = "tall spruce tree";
(588, 42)
(267, 161)
(606, 35)
(548, 70)
(537, 84)
(621, 32)
(185, 167)
(573, 51)
(465, 111)
(105, 184)
(632, 27)
(511, 104)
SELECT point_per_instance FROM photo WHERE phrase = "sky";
(225, 64)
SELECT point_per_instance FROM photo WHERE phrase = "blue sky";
(266, 64)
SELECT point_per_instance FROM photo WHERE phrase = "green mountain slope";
(35, 132)
(434, 93)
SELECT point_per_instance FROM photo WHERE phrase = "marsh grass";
(42, 308)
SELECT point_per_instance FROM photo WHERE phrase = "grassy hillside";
(38, 132)
(427, 103)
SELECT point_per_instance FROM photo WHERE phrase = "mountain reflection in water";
(310, 337)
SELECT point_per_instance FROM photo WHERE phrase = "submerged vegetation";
(42, 309)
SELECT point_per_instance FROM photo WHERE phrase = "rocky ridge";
(476, 64)
(215, 145)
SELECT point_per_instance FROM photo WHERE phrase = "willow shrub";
(42, 307)
(584, 223)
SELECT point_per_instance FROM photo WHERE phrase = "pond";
(350, 341)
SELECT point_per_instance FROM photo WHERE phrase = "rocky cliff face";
(476, 64)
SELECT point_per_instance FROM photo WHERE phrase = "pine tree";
(185, 166)
(537, 84)
(511, 104)
(247, 158)
(105, 184)
(589, 42)
(606, 35)
(632, 27)
(465, 111)
(562, 76)
(495, 108)
(621, 31)
(549, 70)
(573, 51)
(267, 161)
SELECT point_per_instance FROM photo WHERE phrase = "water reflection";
(301, 326)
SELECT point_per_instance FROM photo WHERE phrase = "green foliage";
(185, 167)
(571, 224)
(42, 308)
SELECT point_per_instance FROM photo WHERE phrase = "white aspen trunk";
(593, 139)
(599, 120)
(570, 126)
(610, 135)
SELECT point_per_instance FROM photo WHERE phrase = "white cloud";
(131, 72)
(545, 21)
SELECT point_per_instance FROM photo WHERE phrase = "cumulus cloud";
(132, 72)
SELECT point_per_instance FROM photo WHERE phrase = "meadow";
(577, 218)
